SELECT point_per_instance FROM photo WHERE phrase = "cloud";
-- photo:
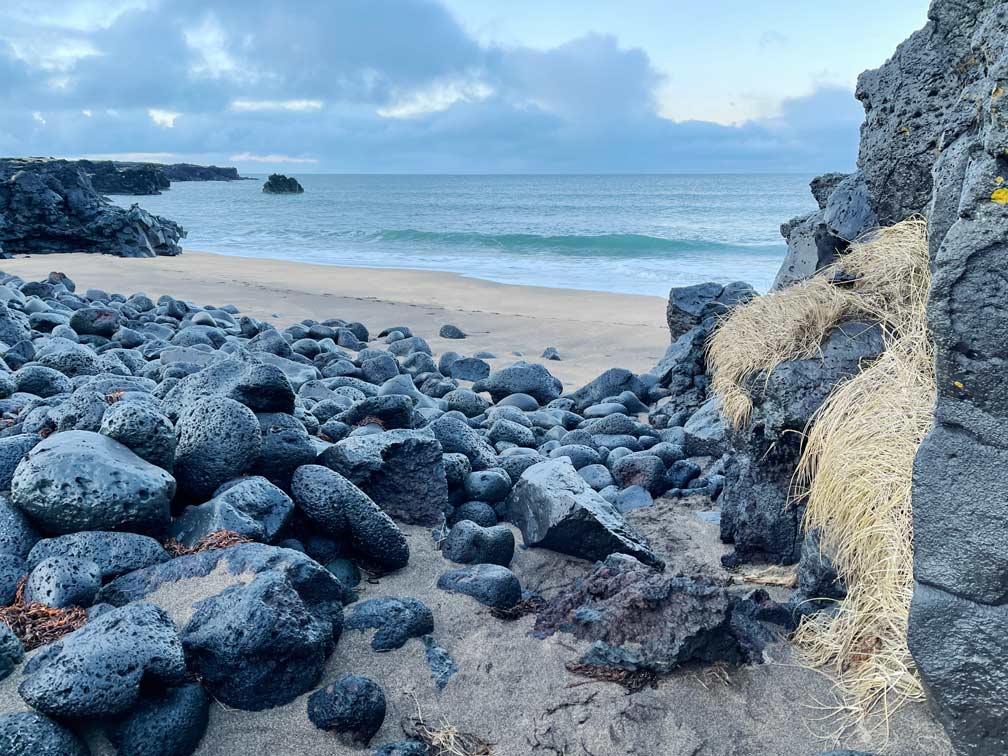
(369, 86)
(292, 105)
(245, 157)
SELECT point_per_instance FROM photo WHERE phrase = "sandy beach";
(592, 331)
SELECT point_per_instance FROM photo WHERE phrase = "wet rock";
(353, 708)
(79, 480)
(488, 485)
(277, 183)
(394, 619)
(98, 670)
(451, 332)
(554, 508)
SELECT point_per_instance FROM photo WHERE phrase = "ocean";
(632, 234)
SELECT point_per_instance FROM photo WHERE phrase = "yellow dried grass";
(884, 272)
(855, 473)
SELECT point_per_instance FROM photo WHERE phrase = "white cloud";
(135, 157)
(163, 118)
(38, 118)
(87, 113)
(435, 98)
(246, 157)
(209, 43)
(251, 106)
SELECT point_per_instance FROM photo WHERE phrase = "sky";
(453, 86)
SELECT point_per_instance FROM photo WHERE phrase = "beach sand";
(592, 331)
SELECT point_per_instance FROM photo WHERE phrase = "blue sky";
(445, 85)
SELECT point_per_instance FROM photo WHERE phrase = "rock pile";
(126, 423)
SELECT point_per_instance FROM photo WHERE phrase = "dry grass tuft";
(883, 274)
(857, 462)
(525, 607)
(857, 471)
(445, 739)
(219, 539)
(36, 624)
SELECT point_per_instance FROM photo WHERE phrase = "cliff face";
(51, 206)
(109, 178)
(190, 172)
(935, 142)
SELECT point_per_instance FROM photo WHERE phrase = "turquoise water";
(633, 234)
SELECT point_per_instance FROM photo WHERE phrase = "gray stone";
(260, 387)
(469, 543)
(11, 651)
(143, 429)
(394, 619)
(218, 440)
(260, 645)
(400, 470)
(490, 584)
(32, 734)
(470, 369)
(79, 480)
(612, 382)
(690, 306)
(488, 485)
(554, 508)
(169, 723)
(115, 554)
(338, 507)
(352, 707)
(455, 436)
(12, 450)
(99, 669)
(63, 581)
(285, 446)
(521, 378)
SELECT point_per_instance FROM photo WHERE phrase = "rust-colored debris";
(632, 680)
(531, 605)
(219, 539)
(37, 624)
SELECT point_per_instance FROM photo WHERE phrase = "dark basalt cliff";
(111, 178)
(51, 206)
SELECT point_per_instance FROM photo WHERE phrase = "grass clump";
(881, 279)
(856, 469)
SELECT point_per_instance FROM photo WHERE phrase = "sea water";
(633, 234)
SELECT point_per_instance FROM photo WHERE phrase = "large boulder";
(80, 480)
(51, 206)
(402, 471)
(260, 645)
(612, 382)
(556, 509)
(165, 723)
(244, 378)
(101, 669)
(955, 153)
(218, 440)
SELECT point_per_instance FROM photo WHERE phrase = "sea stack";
(277, 183)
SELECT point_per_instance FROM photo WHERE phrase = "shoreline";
(592, 330)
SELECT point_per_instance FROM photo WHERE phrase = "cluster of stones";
(127, 422)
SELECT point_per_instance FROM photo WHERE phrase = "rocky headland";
(49, 206)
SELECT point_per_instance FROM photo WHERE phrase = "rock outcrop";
(279, 184)
(111, 178)
(51, 206)
(190, 172)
